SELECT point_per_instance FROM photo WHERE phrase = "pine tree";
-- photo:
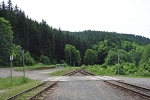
(9, 7)
(3, 5)
(16, 9)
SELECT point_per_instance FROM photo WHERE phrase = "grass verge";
(19, 84)
(37, 67)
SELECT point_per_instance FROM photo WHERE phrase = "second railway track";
(138, 90)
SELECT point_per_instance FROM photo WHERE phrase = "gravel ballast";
(88, 90)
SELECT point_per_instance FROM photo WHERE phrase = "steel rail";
(148, 89)
(34, 97)
(19, 94)
(128, 89)
(87, 73)
(71, 73)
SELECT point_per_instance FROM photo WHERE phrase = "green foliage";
(17, 55)
(127, 46)
(45, 60)
(28, 59)
(72, 55)
(102, 48)
(62, 61)
(129, 69)
(99, 70)
(37, 67)
(145, 62)
(90, 57)
(145, 56)
(6, 45)
(136, 55)
(112, 57)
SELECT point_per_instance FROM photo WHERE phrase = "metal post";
(11, 58)
(118, 63)
(23, 62)
(70, 59)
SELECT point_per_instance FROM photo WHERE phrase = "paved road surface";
(37, 75)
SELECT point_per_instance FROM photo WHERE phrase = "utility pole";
(118, 63)
(70, 59)
(23, 62)
(11, 58)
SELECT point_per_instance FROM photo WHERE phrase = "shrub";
(45, 60)
(62, 61)
(28, 59)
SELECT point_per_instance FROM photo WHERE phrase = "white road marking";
(76, 78)
(111, 78)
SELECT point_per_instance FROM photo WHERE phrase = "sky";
(121, 16)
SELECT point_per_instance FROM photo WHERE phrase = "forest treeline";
(43, 43)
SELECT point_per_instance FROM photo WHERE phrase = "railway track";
(33, 93)
(138, 90)
(82, 70)
(41, 90)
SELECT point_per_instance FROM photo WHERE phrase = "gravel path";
(88, 90)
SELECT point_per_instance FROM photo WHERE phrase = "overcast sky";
(122, 16)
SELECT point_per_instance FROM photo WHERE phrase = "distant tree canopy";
(41, 41)
(145, 61)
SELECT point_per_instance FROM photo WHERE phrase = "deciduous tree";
(90, 57)
(6, 45)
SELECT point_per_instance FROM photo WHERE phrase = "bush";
(45, 60)
(104, 66)
(62, 61)
(28, 59)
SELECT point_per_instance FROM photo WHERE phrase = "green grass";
(19, 84)
(36, 67)
(6, 82)
(97, 69)
(63, 71)
(109, 71)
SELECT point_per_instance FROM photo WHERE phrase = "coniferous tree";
(3, 5)
(9, 7)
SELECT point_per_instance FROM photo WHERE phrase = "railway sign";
(11, 57)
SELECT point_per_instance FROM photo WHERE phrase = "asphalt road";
(37, 74)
